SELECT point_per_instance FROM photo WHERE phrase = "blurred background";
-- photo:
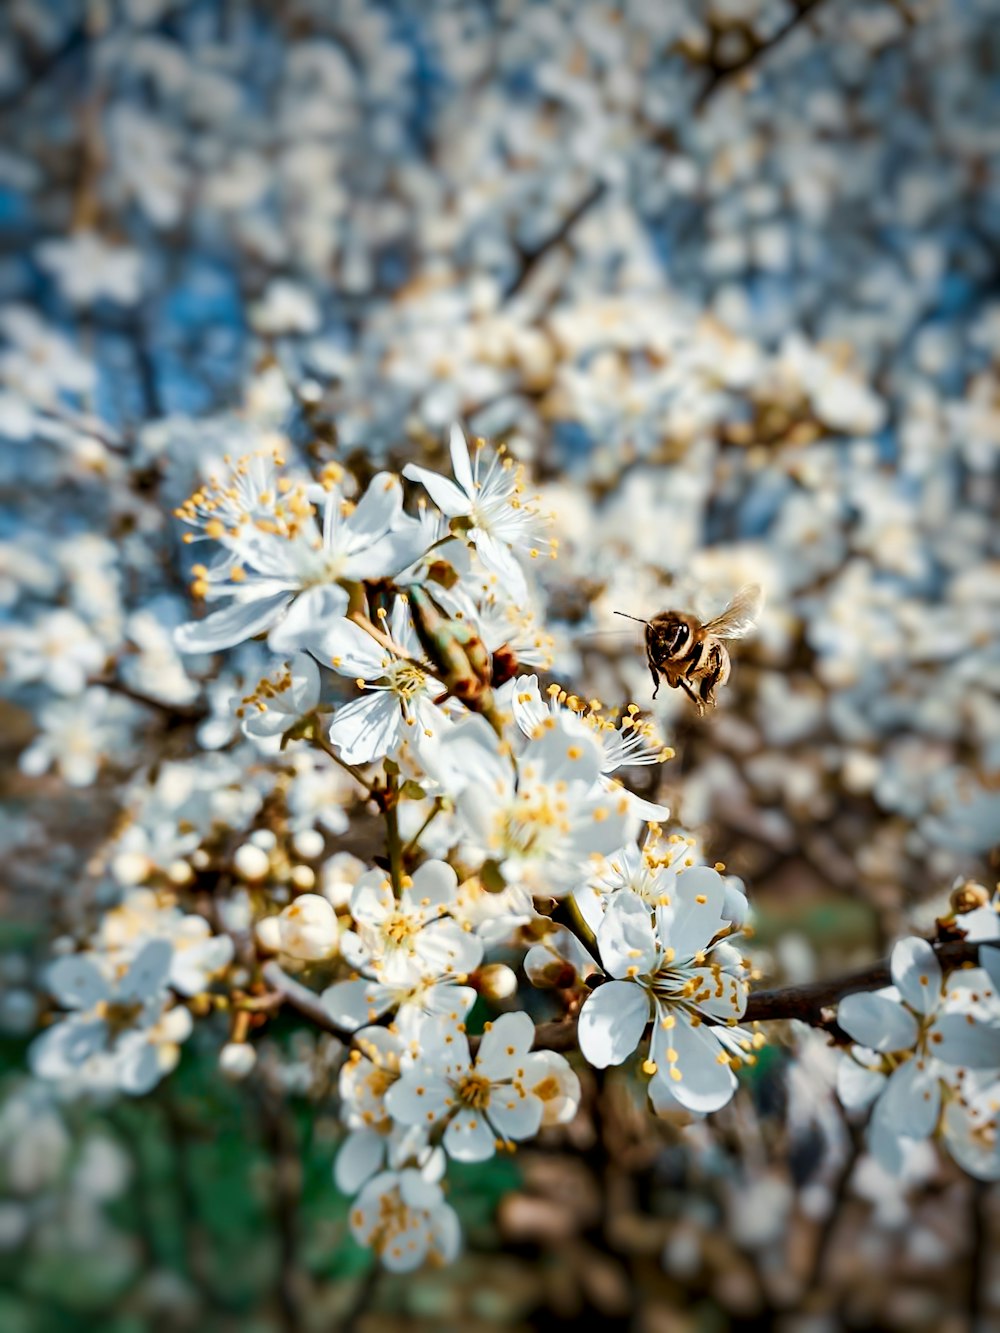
(726, 275)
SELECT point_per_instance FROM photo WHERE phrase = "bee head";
(668, 635)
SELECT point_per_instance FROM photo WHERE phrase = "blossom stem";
(414, 842)
(321, 743)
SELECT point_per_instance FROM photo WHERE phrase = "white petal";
(418, 1097)
(234, 624)
(376, 511)
(308, 619)
(469, 1137)
(61, 1049)
(512, 1115)
(372, 899)
(876, 1022)
(368, 728)
(445, 494)
(148, 972)
(612, 1022)
(499, 559)
(139, 1069)
(911, 1101)
(695, 912)
(353, 1004)
(77, 982)
(857, 1087)
(958, 1039)
(353, 652)
(917, 974)
(706, 1083)
(361, 1155)
(435, 884)
(460, 462)
(625, 936)
(444, 947)
(505, 1045)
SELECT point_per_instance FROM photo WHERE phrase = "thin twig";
(530, 259)
(756, 52)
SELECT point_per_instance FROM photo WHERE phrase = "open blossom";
(414, 933)
(288, 549)
(651, 872)
(278, 700)
(142, 915)
(397, 703)
(631, 743)
(58, 649)
(488, 501)
(671, 965)
(413, 958)
(542, 819)
(124, 1031)
(500, 1097)
(375, 1140)
(403, 1217)
(915, 1041)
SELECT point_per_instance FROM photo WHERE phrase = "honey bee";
(686, 653)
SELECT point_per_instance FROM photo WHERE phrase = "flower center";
(399, 928)
(406, 680)
(120, 1015)
(474, 1091)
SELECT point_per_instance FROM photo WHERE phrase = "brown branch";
(530, 259)
(813, 1003)
(721, 73)
(180, 712)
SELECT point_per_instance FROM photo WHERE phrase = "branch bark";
(813, 1003)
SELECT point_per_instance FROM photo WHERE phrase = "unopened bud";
(308, 928)
(496, 981)
(237, 1059)
(458, 654)
(251, 863)
(268, 933)
(968, 896)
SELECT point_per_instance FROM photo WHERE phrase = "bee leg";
(656, 677)
(692, 696)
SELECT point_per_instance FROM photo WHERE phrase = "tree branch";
(813, 1003)
(721, 73)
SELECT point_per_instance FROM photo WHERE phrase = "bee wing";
(740, 615)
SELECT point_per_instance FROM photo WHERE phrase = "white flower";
(278, 700)
(633, 743)
(651, 872)
(928, 1034)
(142, 915)
(282, 571)
(124, 1034)
(59, 650)
(307, 928)
(414, 935)
(541, 820)
(498, 520)
(486, 1103)
(88, 269)
(375, 1140)
(398, 701)
(671, 965)
(403, 1217)
(77, 735)
(970, 1129)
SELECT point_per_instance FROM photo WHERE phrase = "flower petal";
(505, 1045)
(368, 728)
(445, 494)
(877, 1022)
(76, 982)
(361, 1155)
(911, 1102)
(353, 1004)
(625, 937)
(612, 1022)
(959, 1039)
(916, 973)
(705, 1081)
(857, 1087)
(307, 620)
(461, 465)
(469, 1137)
(232, 625)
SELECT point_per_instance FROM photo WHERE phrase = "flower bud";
(496, 981)
(268, 932)
(251, 862)
(969, 895)
(237, 1059)
(308, 928)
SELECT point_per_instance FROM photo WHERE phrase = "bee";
(686, 653)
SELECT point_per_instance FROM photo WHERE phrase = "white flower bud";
(237, 1059)
(497, 981)
(268, 932)
(130, 868)
(180, 873)
(303, 877)
(308, 928)
(309, 843)
(251, 862)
